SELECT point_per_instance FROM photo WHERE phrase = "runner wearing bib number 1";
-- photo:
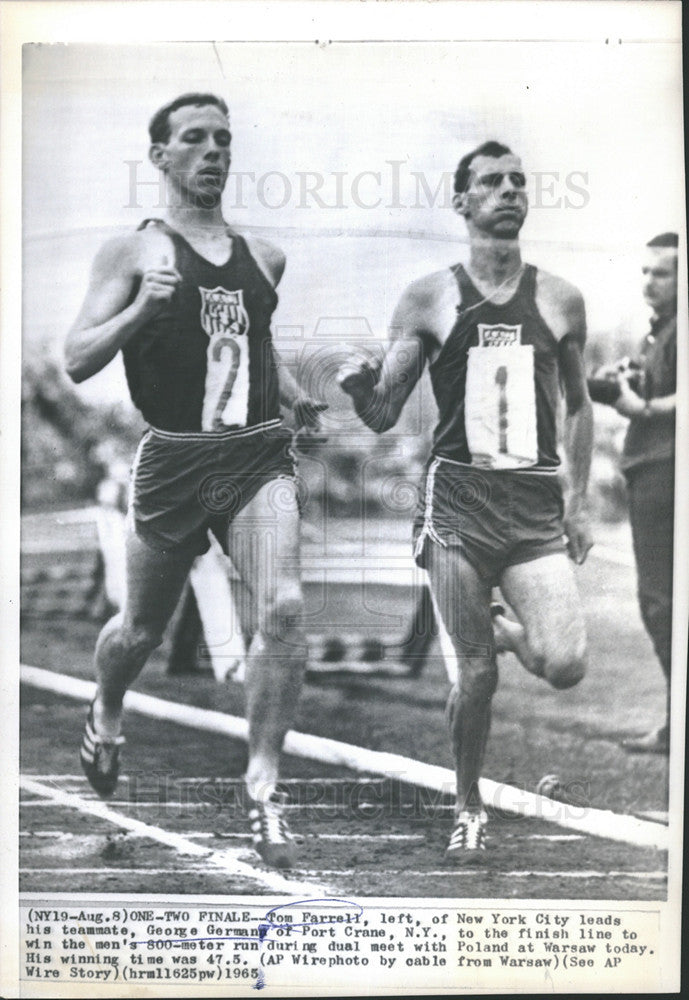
(500, 338)
(189, 303)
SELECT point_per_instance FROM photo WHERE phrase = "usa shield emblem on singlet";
(223, 311)
(499, 334)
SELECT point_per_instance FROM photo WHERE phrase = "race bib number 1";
(500, 404)
(226, 393)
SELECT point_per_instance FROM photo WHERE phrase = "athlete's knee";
(567, 674)
(478, 678)
(138, 639)
(559, 654)
(564, 668)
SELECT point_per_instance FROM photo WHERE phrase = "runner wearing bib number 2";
(500, 338)
(189, 302)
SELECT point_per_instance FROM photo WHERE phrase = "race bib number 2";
(500, 401)
(226, 392)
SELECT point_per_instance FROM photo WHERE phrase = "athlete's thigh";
(263, 540)
(154, 581)
(463, 599)
(543, 593)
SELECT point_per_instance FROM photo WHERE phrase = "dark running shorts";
(185, 484)
(497, 518)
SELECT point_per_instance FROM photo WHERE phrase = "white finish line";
(584, 819)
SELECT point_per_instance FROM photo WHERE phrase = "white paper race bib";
(500, 401)
(226, 392)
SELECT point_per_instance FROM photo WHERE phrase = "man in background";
(648, 399)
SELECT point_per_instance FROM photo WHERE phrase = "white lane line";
(230, 782)
(180, 807)
(599, 822)
(224, 860)
(368, 837)
(655, 815)
(486, 870)
(205, 835)
(75, 870)
(363, 837)
(372, 837)
(544, 836)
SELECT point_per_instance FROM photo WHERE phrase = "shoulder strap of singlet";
(160, 224)
(239, 241)
(527, 285)
(153, 222)
(468, 293)
(167, 240)
(254, 261)
(239, 245)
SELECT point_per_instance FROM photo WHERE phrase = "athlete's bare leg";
(551, 641)
(154, 584)
(264, 547)
(463, 600)
(247, 611)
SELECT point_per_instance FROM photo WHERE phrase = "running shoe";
(468, 840)
(270, 834)
(100, 758)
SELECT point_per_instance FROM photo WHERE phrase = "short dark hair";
(159, 127)
(463, 171)
(664, 240)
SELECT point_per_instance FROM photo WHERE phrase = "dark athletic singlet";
(496, 382)
(206, 362)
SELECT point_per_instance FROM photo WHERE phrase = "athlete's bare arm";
(296, 398)
(106, 321)
(562, 307)
(379, 392)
